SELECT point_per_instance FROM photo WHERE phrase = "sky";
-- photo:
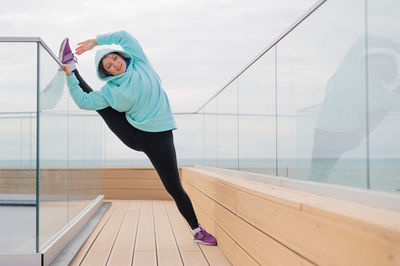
(195, 46)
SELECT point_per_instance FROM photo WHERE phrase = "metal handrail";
(32, 39)
(269, 47)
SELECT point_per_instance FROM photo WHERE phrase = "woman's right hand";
(67, 69)
(85, 46)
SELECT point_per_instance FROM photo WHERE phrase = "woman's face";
(114, 64)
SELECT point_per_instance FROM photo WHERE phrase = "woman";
(136, 108)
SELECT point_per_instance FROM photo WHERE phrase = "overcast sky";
(195, 46)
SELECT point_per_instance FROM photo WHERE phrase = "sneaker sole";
(201, 242)
(62, 49)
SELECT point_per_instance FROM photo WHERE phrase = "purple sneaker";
(204, 238)
(65, 55)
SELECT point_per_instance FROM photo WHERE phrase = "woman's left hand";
(85, 46)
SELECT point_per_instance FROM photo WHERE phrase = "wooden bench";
(257, 223)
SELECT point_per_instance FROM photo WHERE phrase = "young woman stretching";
(135, 107)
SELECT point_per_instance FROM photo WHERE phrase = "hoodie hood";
(390, 54)
(103, 52)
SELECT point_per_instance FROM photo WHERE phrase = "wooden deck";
(145, 232)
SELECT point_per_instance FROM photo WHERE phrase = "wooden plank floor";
(145, 232)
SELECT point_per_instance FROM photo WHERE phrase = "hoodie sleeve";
(126, 40)
(94, 100)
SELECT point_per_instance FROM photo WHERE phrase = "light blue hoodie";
(137, 92)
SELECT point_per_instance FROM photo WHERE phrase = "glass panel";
(210, 134)
(227, 128)
(83, 179)
(321, 97)
(117, 154)
(257, 134)
(94, 153)
(18, 147)
(53, 175)
(76, 173)
(187, 139)
(99, 155)
(90, 155)
(384, 94)
(202, 139)
(58, 143)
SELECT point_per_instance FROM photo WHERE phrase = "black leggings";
(158, 146)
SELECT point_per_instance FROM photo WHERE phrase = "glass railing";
(49, 149)
(320, 104)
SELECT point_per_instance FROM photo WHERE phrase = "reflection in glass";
(341, 123)
(384, 94)
(321, 92)
(52, 93)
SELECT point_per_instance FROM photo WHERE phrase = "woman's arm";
(94, 100)
(123, 38)
(127, 42)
